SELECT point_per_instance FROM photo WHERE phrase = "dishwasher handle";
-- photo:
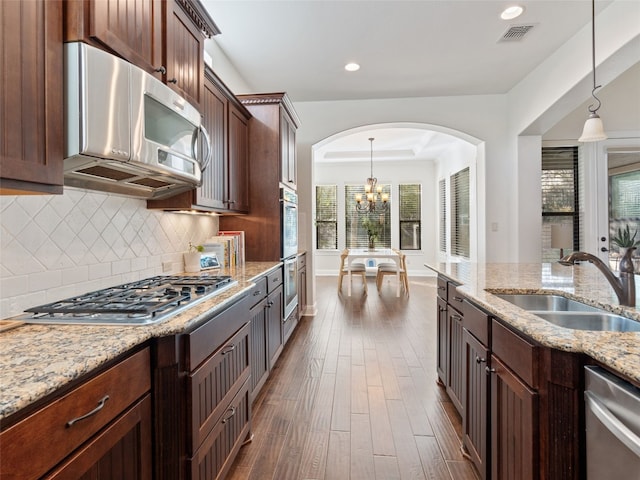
(615, 426)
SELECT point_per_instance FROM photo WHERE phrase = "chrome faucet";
(625, 286)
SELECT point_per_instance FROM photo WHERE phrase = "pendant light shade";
(593, 128)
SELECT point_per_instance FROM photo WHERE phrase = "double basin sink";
(568, 313)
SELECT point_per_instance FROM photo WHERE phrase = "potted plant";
(192, 258)
(627, 244)
(373, 229)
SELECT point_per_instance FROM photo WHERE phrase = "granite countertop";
(585, 283)
(36, 359)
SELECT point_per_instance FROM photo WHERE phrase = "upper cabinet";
(224, 181)
(277, 110)
(165, 38)
(31, 108)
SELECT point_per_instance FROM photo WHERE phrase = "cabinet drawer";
(442, 288)
(274, 280)
(33, 446)
(259, 290)
(212, 386)
(516, 353)
(475, 321)
(207, 338)
(214, 458)
(453, 297)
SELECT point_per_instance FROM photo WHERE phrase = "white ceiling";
(405, 48)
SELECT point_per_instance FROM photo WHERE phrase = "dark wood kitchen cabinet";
(224, 182)
(262, 225)
(101, 428)
(31, 137)
(288, 166)
(204, 374)
(523, 412)
(163, 37)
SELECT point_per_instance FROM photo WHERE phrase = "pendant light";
(593, 129)
(374, 200)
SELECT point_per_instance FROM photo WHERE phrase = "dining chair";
(357, 268)
(391, 269)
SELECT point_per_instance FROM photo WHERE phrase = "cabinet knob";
(173, 80)
(257, 292)
(161, 69)
(489, 370)
(480, 360)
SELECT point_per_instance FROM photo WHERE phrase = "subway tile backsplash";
(56, 246)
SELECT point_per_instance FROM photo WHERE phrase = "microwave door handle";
(205, 163)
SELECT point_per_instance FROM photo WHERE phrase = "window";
(410, 218)
(326, 217)
(442, 208)
(624, 203)
(357, 222)
(460, 245)
(559, 201)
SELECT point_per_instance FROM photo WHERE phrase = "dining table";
(377, 253)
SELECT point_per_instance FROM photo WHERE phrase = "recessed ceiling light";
(512, 12)
(352, 67)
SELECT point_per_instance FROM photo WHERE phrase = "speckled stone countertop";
(36, 360)
(585, 283)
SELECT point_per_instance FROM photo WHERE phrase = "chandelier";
(374, 200)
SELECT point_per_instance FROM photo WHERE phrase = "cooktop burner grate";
(141, 302)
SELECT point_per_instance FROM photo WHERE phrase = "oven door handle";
(615, 426)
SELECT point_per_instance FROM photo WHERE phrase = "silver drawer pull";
(233, 412)
(257, 292)
(228, 349)
(458, 299)
(92, 412)
(480, 360)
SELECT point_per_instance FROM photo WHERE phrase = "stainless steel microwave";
(127, 132)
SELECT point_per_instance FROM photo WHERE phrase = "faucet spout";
(624, 286)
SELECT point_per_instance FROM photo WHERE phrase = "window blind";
(409, 199)
(326, 217)
(460, 245)
(356, 222)
(442, 208)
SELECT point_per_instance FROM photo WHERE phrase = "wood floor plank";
(418, 418)
(386, 468)
(409, 460)
(374, 378)
(359, 392)
(433, 464)
(341, 418)
(361, 465)
(338, 456)
(381, 433)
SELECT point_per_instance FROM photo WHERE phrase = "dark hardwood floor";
(354, 394)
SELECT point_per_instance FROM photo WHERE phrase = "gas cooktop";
(143, 302)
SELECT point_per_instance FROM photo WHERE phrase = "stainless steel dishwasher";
(612, 411)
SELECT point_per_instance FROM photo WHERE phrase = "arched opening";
(405, 157)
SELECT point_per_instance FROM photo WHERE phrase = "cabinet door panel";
(130, 28)
(259, 358)
(514, 425)
(31, 108)
(274, 331)
(443, 342)
(185, 62)
(455, 384)
(214, 112)
(474, 428)
(238, 194)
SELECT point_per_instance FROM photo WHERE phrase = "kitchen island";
(516, 379)
(618, 350)
(37, 360)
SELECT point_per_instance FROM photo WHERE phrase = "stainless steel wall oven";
(289, 241)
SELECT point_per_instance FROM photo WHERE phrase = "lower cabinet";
(522, 408)
(201, 379)
(100, 429)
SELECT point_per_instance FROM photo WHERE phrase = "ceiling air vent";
(515, 33)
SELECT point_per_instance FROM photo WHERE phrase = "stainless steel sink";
(543, 302)
(601, 321)
(568, 313)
